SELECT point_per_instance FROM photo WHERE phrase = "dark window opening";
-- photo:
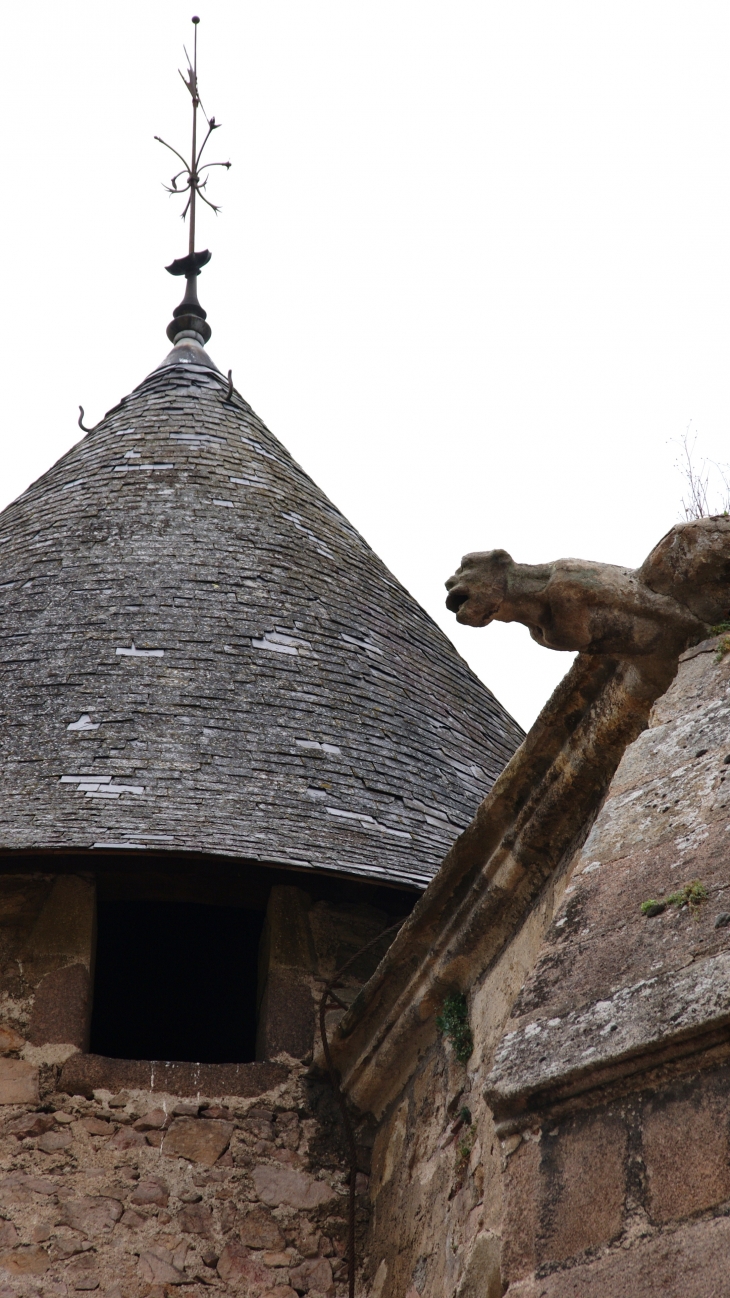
(176, 981)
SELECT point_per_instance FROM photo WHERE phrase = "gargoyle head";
(478, 587)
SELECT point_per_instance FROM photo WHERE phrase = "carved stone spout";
(659, 609)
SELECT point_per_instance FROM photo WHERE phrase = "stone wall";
(436, 1189)
(140, 1193)
(306, 941)
(135, 1177)
(627, 1195)
(611, 1083)
(47, 934)
(583, 1150)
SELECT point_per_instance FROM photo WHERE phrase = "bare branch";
(696, 477)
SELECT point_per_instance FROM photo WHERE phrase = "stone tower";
(234, 753)
(212, 686)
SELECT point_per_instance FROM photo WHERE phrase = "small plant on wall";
(453, 1023)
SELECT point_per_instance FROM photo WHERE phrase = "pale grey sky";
(472, 265)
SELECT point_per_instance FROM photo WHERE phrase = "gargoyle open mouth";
(456, 598)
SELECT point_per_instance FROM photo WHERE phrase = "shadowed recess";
(176, 981)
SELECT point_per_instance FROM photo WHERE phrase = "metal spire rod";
(194, 150)
(189, 316)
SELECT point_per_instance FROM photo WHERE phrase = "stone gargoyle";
(680, 591)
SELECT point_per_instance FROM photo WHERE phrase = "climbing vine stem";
(328, 1001)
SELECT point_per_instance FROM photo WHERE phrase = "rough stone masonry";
(147, 1194)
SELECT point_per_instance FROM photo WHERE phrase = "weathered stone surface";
(96, 1126)
(201, 1142)
(686, 1149)
(61, 1008)
(31, 1124)
(313, 1274)
(83, 1275)
(653, 1012)
(10, 1040)
(195, 1219)
(157, 1266)
(236, 1267)
(482, 1276)
(611, 985)
(151, 1192)
(53, 1141)
(29, 1259)
(18, 1082)
(284, 1185)
(521, 1211)
(127, 1138)
(132, 1220)
(63, 933)
(258, 1127)
(687, 1263)
(277, 1259)
(71, 1247)
(286, 1015)
(260, 1230)
(83, 1074)
(152, 1121)
(8, 1235)
(582, 1187)
(21, 1180)
(91, 1214)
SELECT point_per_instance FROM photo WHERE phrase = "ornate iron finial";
(188, 319)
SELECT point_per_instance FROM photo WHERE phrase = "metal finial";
(189, 316)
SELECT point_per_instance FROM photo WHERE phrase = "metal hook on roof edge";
(81, 422)
(229, 393)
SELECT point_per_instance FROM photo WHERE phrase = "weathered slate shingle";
(199, 653)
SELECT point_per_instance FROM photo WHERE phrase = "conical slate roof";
(200, 654)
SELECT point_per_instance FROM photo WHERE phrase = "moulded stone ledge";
(560, 1053)
(84, 1074)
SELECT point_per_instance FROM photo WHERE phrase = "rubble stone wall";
(137, 1178)
(141, 1194)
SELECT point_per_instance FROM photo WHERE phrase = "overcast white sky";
(472, 268)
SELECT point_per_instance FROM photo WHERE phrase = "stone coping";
(83, 1074)
(636, 1022)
